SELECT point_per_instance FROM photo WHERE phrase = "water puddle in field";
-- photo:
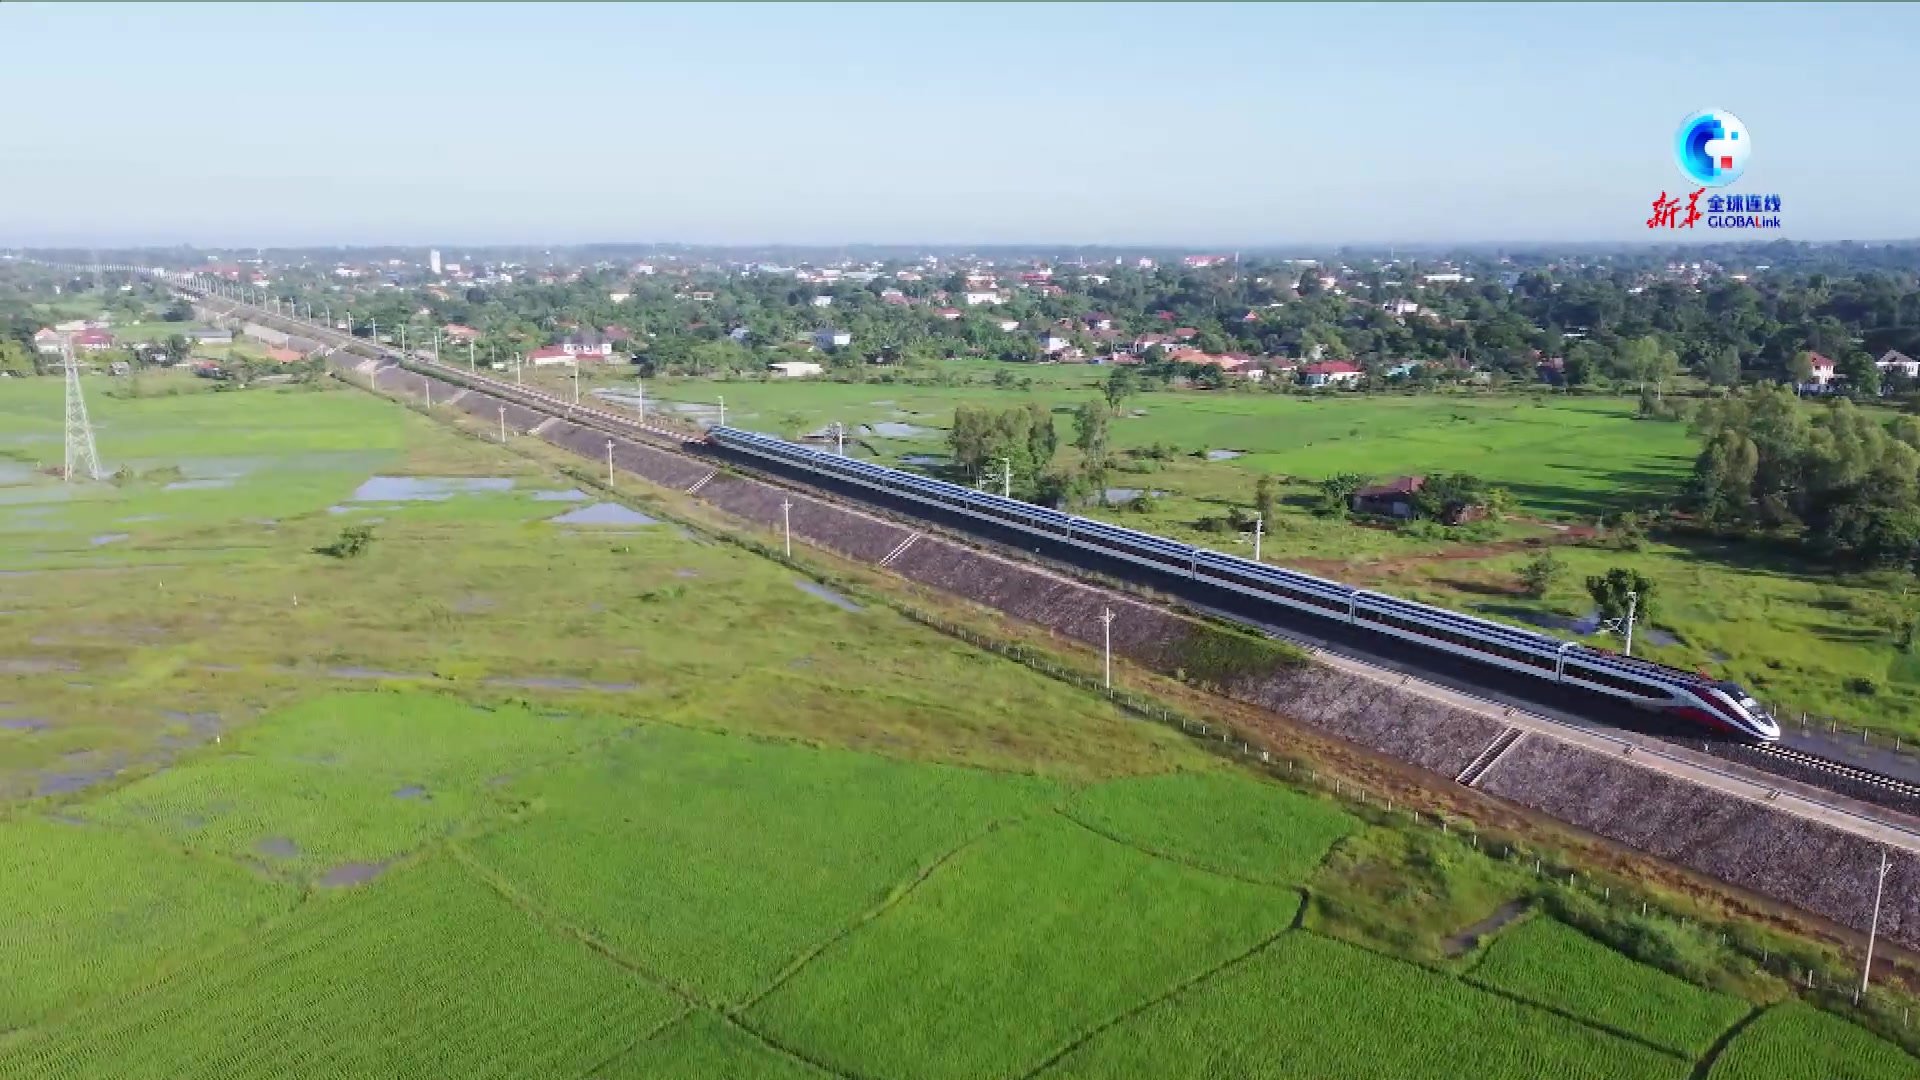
(473, 604)
(411, 791)
(107, 538)
(31, 665)
(22, 723)
(370, 673)
(140, 518)
(353, 873)
(923, 459)
(1127, 494)
(1467, 940)
(893, 429)
(1225, 455)
(200, 485)
(569, 495)
(559, 682)
(15, 473)
(426, 488)
(66, 783)
(604, 514)
(19, 496)
(279, 847)
(684, 572)
(814, 588)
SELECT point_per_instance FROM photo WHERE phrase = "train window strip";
(1459, 639)
(1590, 674)
(1468, 622)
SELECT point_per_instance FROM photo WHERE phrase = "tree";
(1541, 572)
(1858, 368)
(1042, 439)
(1336, 494)
(1266, 497)
(1800, 368)
(178, 349)
(1723, 366)
(16, 359)
(1090, 430)
(1121, 384)
(1610, 593)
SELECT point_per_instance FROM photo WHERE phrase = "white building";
(795, 369)
(833, 339)
(823, 301)
(974, 299)
(433, 260)
(618, 297)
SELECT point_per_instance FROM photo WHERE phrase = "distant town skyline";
(1190, 126)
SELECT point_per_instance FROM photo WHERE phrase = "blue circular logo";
(1712, 147)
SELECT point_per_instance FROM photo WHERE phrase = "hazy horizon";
(1259, 127)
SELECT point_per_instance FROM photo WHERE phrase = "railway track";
(1854, 773)
(627, 426)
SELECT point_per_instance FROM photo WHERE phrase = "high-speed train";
(1722, 706)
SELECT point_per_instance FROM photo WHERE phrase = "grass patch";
(1552, 964)
(1407, 892)
(1043, 922)
(429, 972)
(1228, 823)
(1794, 1041)
(701, 1046)
(92, 910)
(716, 861)
(350, 777)
(1217, 658)
(1307, 1006)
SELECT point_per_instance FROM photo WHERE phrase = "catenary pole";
(1873, 929)
(1106, 647)
(786, 522)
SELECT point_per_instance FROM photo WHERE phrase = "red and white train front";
(1728, 707)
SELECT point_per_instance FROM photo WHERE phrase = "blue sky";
(1229, 126)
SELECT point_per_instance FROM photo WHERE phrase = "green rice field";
(507, 797)
(1804, 639)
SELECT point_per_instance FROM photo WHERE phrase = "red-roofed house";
(1330, 372)
(46, 340)
(1391, 499)
(282, 356)
(616, 334)
(457, 332)
(550, 354)
(92, 340)
(1822, 370)
(1185, 333)
(948, 313)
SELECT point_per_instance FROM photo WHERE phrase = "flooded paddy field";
(252, 786)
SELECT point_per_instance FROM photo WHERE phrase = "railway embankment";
(1744, 842)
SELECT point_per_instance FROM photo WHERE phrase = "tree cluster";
(1837, 479)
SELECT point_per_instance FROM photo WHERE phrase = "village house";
(975, 299)
(210, 335)
(1009, 325)
(460, 334)
(1052, 341)
(90, 341)
(1330, 373)
(795, 369)
(1894, 360)
(46, 340)
(1822, 373)
(948, 313)
(833, 339)
(1393, 499)
(822, 301)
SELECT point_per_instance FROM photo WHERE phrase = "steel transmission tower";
(81, 454)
